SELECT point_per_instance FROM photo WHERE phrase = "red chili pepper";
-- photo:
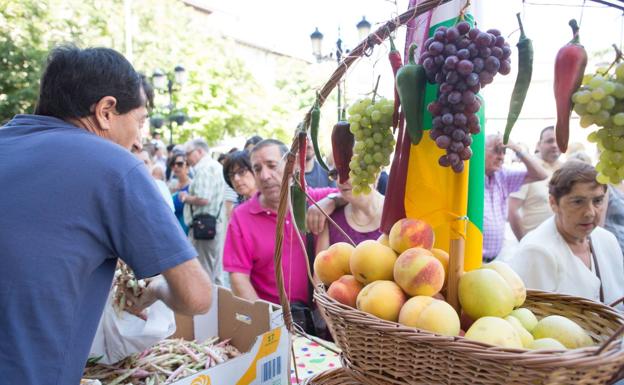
(303, 143)
(394, 201)
(569, 68)
(342, 148)
(395, 62)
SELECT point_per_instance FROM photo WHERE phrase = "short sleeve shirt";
(208, 183)
(318, 177)
(497, 189)
(250, 244)
(534, 197)
(73, 203)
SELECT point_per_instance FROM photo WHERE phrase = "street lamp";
(169, 83)
(316, 38)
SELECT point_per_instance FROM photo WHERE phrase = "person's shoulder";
(603, 235)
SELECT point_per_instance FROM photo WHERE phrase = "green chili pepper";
(298, 200)
(411, 81)
(315, 119)
(523, 80)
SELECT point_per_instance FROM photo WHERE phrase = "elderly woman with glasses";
(180, 183)
(569, 253)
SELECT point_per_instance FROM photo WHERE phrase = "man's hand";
(513, 146)
(315, 219)
(137, 304)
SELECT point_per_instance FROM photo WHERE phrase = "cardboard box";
(255, 328)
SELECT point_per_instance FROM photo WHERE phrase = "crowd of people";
(189, 220)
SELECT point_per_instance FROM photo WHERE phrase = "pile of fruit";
(399, 278)
(600, 101)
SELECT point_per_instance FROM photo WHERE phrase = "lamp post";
(169, 83)
(316, 39)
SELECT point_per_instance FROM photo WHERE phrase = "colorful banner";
(452, 203)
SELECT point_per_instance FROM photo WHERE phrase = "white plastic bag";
(121, 335)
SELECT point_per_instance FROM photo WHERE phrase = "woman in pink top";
(360, 218)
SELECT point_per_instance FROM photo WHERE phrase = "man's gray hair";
(270, 142)
(195, 144)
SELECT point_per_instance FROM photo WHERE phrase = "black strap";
(216, 216)
(593, 254)
(311, 251)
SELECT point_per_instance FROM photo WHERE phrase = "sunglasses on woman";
(179, 164)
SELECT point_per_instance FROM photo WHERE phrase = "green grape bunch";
(600, 102)
(371, 122)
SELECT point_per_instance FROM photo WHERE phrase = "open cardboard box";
(255, 328)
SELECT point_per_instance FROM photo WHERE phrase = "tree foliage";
(221, 98)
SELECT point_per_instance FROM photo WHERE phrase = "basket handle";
(617, 302)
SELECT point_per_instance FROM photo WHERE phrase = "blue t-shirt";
(318, 177)
(72, 203)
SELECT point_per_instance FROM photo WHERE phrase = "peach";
(372, 261)
(407, 233)
(345, 290)
(427, 313)
(383, 299)
(418, 272)
(384, 240)
(333, 263)
(443, 257)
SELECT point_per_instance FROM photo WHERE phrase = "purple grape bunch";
(461, 60)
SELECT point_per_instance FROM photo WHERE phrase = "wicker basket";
(378, 352)
(337, 376)
(381, 352)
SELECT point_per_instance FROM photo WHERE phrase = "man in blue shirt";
(75, 199)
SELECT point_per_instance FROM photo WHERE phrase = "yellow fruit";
(427, 313)
(418, 272)
(525, 336)
(383, 299)
(512, 278)
(494, 331)
(484, 292)
(547, 343)
(333, 263)
(372, 261)
(564, 330)
(526, 318)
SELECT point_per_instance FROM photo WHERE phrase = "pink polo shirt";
(250, 244)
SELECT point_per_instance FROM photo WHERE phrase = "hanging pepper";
(523, 80)
(411, 81)
(298, 200)
(394, 201)
(315, 119)
(396, 63)
(302, 139)
(569, 68)
(342, 148)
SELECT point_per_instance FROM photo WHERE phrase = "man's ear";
(105, 108)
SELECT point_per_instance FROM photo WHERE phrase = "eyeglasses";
(240, 172)
(188, 153)
(179, 164)
(500, 150)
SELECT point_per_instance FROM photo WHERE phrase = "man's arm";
(242, 287)
(315, 219)
(185, 288)
(515, 218)
(535, 171)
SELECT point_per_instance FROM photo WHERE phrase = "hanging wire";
(582, 12)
